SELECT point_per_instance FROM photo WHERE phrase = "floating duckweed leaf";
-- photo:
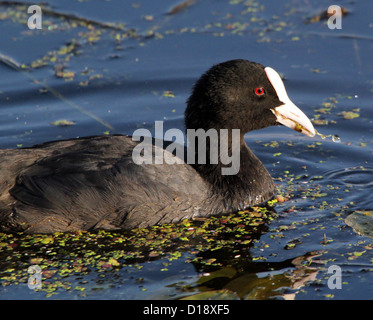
(348, 115)
(168, 94)
(47, 240)
(320, 122)
(281, 198)
(272, 144)
(154, 254)
(36, 260)
(62, 255)
(113, 262)
(67, 75)
(356, 254)
(62, 123)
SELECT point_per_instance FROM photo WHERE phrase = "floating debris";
(62, 123)
(181, 6)
(325, 15)
(10, 62)
(349, 115)
(168, 94)
(361, 222)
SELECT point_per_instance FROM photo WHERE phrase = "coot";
(95, 183)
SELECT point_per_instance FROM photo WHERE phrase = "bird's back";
(93, 183)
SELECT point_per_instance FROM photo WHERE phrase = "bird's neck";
(239, 178)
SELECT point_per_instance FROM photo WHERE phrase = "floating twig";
(18, 67)
(10, 62)
(181, 6)
(70, 16)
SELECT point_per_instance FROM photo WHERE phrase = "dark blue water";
(120, 76)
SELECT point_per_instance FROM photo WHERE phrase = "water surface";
(115, 66)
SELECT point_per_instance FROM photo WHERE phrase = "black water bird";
(94, 183)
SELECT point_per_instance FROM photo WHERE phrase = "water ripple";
(361, 177)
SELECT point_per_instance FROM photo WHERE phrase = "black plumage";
(93, 183)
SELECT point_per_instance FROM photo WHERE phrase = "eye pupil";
(259, 91)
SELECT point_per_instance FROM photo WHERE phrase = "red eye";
(259, 91)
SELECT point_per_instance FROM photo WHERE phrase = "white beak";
(288, 113)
